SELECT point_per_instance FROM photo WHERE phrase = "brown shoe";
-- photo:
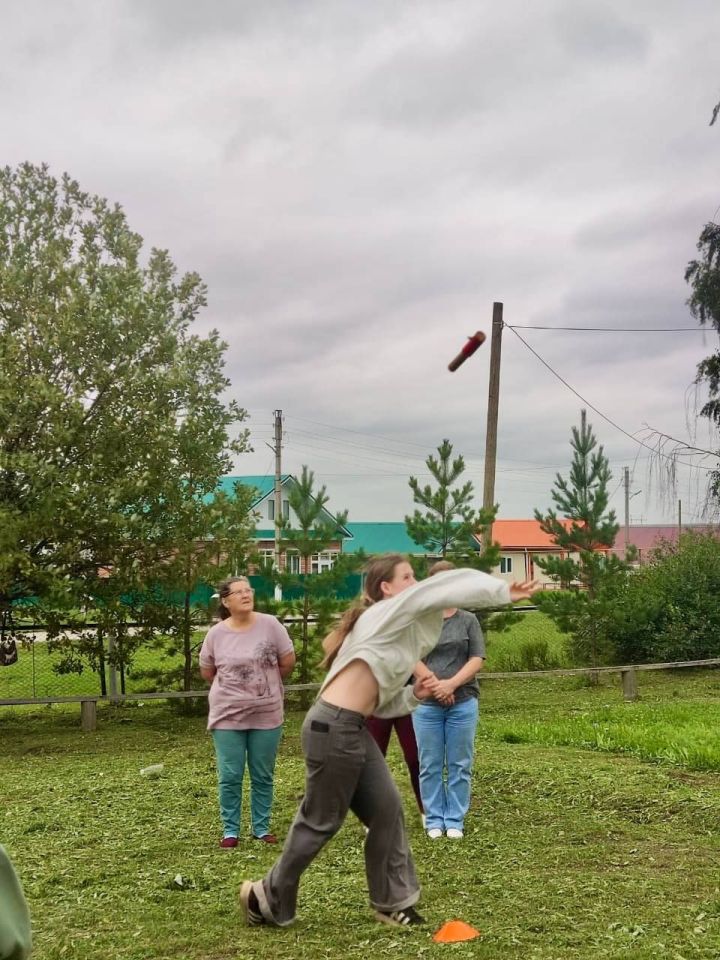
(267, 838)
(227, 843)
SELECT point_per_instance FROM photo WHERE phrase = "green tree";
(670, 609)
(310, 529)
(208, 537)
(585, 530)
(106, 641)
(703, 275)
(104, 391)
(448, 519)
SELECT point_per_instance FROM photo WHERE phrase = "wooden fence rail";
(628, 675)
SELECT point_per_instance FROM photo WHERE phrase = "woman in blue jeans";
(445, 725)
(246, 656)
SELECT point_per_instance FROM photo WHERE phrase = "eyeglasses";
(240, 593)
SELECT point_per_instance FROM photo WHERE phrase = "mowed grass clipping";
(569, 852)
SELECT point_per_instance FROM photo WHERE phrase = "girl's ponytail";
(377, 571)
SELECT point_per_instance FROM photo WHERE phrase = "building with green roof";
(263, 506)
(383, 537)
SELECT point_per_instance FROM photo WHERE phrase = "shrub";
(670, 610)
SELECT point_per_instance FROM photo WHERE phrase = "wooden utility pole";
(278, 484)
(679, 520)
(492, 412)
(626, 481)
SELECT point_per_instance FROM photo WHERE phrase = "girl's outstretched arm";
(468, 589)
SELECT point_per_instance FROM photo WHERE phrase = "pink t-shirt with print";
(247, 689)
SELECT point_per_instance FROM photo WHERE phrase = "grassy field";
(590, 836)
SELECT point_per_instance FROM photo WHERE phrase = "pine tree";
(585, 530)
(310, 529)
(449, 521)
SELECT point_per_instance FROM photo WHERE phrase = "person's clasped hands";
(431, 686)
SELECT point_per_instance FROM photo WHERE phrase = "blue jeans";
(233, 748)
(446, 742)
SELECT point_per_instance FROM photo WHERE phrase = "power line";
(374, 436)
(329, 438)
(522, 326)
(612, 423)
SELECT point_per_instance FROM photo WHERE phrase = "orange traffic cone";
(454, 931)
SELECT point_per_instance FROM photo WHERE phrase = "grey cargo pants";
(345, 770)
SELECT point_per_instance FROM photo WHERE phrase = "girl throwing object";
(378, 644)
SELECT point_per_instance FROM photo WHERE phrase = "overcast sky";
(358, 180)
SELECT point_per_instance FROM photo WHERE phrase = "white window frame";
(323, 561)
(506, 564)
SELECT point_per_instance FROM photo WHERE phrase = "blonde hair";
(378, 571)
(440, 567)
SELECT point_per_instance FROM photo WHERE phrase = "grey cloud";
(597, 33)
(357, 182)
(650, 224)
(185, 21)
(171, 23)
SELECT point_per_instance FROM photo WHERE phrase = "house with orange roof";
(522, 542)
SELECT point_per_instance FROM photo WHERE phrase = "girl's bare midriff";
(354, 688)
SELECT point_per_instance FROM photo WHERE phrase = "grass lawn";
(576, 847)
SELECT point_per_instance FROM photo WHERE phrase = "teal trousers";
(233, 748)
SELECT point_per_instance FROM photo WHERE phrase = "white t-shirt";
(393, 634)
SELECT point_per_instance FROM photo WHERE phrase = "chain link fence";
(41, 671)
(89, 663)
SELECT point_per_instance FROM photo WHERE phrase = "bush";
(670, 610)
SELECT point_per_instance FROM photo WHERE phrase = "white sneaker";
(435, 833)
(454, 833)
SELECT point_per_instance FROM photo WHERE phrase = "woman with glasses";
(246, 655)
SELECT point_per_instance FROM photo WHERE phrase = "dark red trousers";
(381, 729)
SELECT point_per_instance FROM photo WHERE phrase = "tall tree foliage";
(448, 519)
(208, 537)
(310, 529)
(111, 410)
(703, 275)
(584, 527)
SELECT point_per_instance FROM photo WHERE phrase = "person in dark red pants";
(382, 728)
